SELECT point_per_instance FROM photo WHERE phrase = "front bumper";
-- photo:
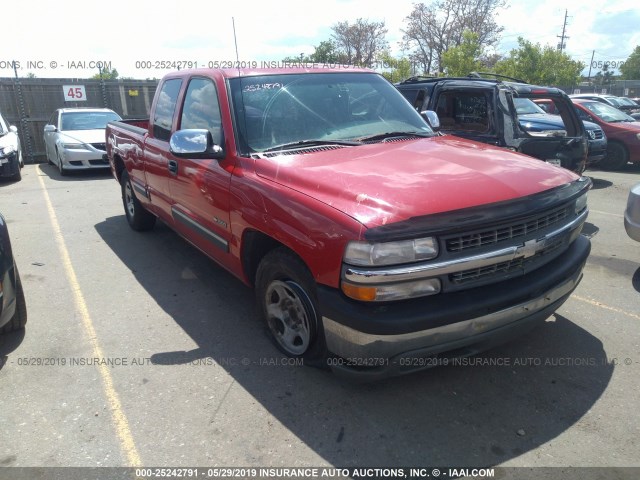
(632, 214)
(84, 159)
(376, 341)
(9, 165)
(597, 151)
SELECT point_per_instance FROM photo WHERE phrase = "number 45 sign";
(74, 93)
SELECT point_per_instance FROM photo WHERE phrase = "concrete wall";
(28, 104)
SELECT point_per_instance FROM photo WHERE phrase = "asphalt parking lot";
(139, 351)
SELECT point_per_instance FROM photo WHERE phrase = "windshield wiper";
(387, 135)
(310, 143)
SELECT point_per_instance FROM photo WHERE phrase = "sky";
(144, 39)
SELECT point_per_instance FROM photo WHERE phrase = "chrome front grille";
(508, 268)
(505, 232)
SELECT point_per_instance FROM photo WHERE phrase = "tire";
(61, 168)
(617, 156)
(287, 300)
(19, 319)
(18, 176)
(139, 218)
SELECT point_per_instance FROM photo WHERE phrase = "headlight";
(6, 151)
(390, 253)
(549, 133)
(392, 291)
(75, 146)
(592, 134)
(581, 203)
(638, 136)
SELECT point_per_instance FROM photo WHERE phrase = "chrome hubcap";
(128, 199)
(288, 318)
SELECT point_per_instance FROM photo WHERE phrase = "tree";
(631, 68)
(327, 52)
(397, 69)
(541, 65)
(433, 29)
(106, 74)
(603, 77)
(463, 59)
(361, 42)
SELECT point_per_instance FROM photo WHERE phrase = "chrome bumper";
(348, 343)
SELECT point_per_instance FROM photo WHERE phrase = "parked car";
(533, 118)
(482, 109)
(13, 307)
(617, 102)
(623, 132)
(632, 214)
(371, 241)
(11, 161)
(74, 138)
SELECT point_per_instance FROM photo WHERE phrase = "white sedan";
(74, 138)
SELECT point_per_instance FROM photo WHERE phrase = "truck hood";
(389, 182)
(545, 121)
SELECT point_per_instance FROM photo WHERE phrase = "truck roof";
(287, 68)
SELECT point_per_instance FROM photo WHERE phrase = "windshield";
(87, 120)
(276, 110)
(525, 106)
(607, 113)
(627, 101)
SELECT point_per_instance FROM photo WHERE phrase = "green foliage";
(396, 69)
(631, 68)
(325, 52)
(463, 59)
(106, 74)
(540, 65)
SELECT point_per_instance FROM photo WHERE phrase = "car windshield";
(607, 113)
(86, 120)
(273, 111)
(616, 102)
(525, 106)
(628, 102)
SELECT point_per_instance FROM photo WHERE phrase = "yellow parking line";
(119, 418)
(619, 215)
(606, 307)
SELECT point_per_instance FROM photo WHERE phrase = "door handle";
(173, 166)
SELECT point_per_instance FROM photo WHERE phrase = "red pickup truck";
(375, 246)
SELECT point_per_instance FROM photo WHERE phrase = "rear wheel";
(138, 217)
(19, 319)
(617, 156)
(286, 296)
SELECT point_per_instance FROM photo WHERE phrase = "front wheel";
(617, 156)
(138, 217)
(19, 319)
(286, 296)
(61, 168)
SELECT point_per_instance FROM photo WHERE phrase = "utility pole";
(562, 37)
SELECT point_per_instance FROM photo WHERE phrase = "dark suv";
(483, 110)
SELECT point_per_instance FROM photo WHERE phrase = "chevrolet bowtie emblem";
(530, 248)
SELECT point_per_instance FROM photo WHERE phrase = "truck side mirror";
(49, 128)
(194, 143)
(13, 129)
(432, 119)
